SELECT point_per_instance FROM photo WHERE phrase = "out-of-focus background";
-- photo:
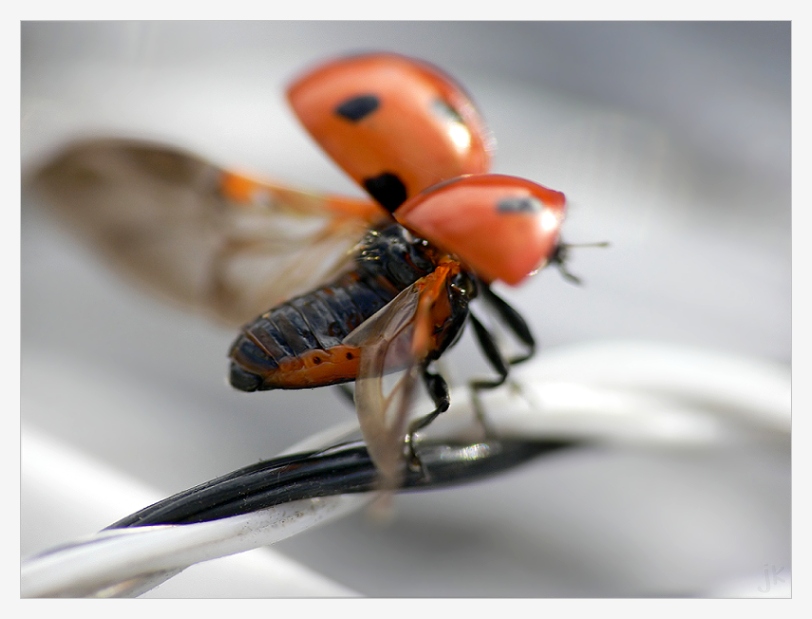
(671, 141)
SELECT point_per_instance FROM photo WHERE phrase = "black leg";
(492, 354)
(438, 391)
(513, 320)
(497, 361)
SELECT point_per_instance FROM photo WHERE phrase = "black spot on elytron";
(387, 189)
(349, 356)
(358, 107)
(445, 111)
(519, 205)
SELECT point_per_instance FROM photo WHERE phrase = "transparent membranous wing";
(395, 343)
(196, 234)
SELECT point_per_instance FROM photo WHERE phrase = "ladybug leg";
(520, 329)
(499, 362)
(438, 391)
(513, 320)
(502, 366)
(437, 388)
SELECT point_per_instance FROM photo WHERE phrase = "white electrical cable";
(131, 561)
(620, 393)
(637, 393)
(123, 562)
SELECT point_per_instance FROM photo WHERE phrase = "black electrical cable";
(342, 469)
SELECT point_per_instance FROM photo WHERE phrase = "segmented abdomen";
(298, 344)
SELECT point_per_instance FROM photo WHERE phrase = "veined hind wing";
(197, 234)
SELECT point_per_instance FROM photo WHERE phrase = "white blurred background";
(671, 140)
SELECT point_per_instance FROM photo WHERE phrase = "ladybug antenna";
(561, 256)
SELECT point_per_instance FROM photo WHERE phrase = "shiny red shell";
(410, 136)
(395, 125)
(502, 227)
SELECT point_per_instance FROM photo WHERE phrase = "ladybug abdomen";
(298, 344)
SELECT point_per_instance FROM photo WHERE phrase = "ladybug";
(329, 289)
